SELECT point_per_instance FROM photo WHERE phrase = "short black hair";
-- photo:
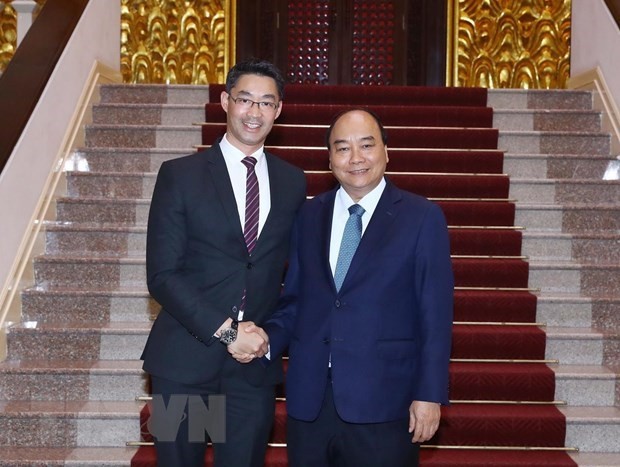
(255, 66)
(361, 109)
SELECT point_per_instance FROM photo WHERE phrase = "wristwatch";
(229, 335)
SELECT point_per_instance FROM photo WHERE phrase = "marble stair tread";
(154, 93)
(148, 114)
(120, 291)
(102, 209)
(563, 191)
(72, 380)
(113, 340)
(563, 332)
(588, 385)
(579, 311)
(595, 459)
(123, 327)
(67, 304)
(546, 119)
(539, 98)
(70, 366)
(557, 166)
(594, 247)
(65, 457)
(564, 371)
(593, 429)
(574, 217)
(580, 346)
(554, 142)
(143, 136)
(575, 277)
(71, 423)
(123, 159)
(71, 409)
(93, 227)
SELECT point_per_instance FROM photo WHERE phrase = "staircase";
(68, 387)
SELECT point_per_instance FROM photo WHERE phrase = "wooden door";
(344, 41)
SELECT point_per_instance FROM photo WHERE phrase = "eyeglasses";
(247, 104)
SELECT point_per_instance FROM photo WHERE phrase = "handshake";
(252, 342)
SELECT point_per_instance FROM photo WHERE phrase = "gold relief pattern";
(175, 42)
(8, 31)
(513, 43)
(497, 43)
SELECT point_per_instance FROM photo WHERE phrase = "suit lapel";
(323, 228)
(218, 173)
(385, 213)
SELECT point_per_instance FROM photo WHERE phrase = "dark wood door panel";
(347, 41)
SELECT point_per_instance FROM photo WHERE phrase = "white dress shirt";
(238, 173)
(342, 203)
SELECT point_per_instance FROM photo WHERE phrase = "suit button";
(249, 265)
(337, 303)
(325, 341)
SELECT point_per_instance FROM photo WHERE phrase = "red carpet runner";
(442, 146)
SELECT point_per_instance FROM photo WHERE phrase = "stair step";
(568, 218)
(98, 271)
(132, 211)
(585, 385)
(556, 166)
(107, 305)
(123, 159)
(67, 457)
(591, 459)
(143, 136)
(123, 240)
(574, 278)
(73, 380)
(593, 247)
(154, 93)
(147, 114)
(570, 310)
(125, 341)
(581, 346)
(546, 120)
(112, 271)
(539, 99)
(140, 185)
(565, 191)
(103, 210)
(108, 239)
(77, 341)
(554, 142)
(593, 429)
(68, 423)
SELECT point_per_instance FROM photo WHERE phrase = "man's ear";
(224, 101)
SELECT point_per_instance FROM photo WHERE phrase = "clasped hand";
(252, 342)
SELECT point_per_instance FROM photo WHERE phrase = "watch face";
(228, 336)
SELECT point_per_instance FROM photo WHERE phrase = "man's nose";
(356, 156)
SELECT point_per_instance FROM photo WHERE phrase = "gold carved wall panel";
(176, 42)
(491, 43)
(510, 43)
(8, 31)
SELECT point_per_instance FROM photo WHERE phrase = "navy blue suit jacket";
(388, 329)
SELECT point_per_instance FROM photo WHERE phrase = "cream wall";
(34, 164)
(595, 43)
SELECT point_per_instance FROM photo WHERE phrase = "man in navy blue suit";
(369, 343)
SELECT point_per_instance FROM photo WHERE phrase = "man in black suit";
(216, 252)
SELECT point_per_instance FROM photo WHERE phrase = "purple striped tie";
(250, 230)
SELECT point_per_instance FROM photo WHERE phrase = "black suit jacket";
(198, 264)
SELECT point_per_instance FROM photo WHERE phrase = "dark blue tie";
(350, 240)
